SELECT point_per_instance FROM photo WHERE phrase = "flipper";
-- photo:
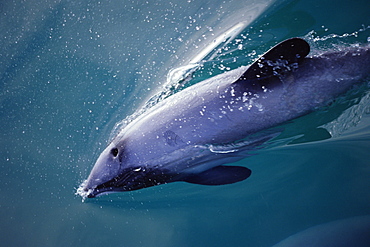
(219, 175)
(278, 60)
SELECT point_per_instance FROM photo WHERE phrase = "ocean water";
(71, 70)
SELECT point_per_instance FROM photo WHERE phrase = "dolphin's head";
(114, 172)
(107, 167)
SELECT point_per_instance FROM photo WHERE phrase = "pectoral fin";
(219, 175)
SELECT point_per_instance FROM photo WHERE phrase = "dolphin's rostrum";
(191, 135)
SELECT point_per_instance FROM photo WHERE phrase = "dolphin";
(191, 135)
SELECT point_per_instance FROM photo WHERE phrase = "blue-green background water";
(71, 69)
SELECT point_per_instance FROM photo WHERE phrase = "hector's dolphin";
(190, 135)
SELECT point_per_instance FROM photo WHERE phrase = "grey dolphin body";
(191, 134)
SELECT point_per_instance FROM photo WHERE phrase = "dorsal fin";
(278, 60)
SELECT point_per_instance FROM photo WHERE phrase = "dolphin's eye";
(114, 151)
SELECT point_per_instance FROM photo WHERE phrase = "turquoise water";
(71, 70)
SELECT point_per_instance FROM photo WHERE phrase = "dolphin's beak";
(86, 191)
(95, 186)
(91, 193)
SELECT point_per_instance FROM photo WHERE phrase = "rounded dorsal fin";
(277, 60)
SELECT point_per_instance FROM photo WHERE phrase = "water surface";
(71, 70)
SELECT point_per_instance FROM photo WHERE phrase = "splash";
(313, 35)
(178, 78)
(182, 77)
(82, 192)
(336, 42)
(350, 118)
